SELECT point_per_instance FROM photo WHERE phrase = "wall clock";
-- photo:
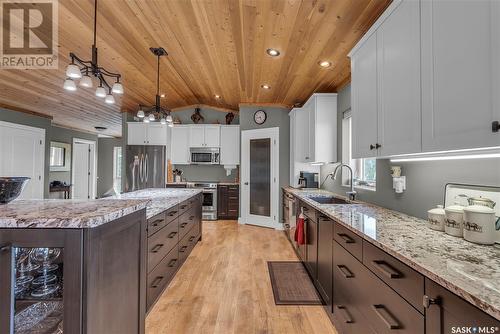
(260, 117)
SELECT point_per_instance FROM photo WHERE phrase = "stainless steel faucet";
(352, 192)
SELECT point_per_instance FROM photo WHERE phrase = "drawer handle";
(386, 317)
(183, 206)
(172, 263)
(183, 225)
(5, 248)
(428, 301)
(345, 314)
(183, 249)
(156, 248)
(191, 218)
(192, 238)
(156, 282)
(345, 271)
(305, 209)
(347, 239)
(173, 213)
(172, 234)
(386, 269)
(233, 197)
(157, 222)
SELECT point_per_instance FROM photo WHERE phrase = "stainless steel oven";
(209, 205)
(205, 155)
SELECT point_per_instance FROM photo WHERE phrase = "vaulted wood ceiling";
(215, 47)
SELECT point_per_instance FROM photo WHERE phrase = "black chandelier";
(151, 113)
(83, 69)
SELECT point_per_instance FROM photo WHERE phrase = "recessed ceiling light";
(325, 63)
(273, 52)
(217, 96)
(265, 86)
(162, 95)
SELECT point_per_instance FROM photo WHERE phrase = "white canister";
(453, 224)
(436, 218)
(480, 224)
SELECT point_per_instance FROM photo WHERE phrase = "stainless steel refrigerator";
(145, 167)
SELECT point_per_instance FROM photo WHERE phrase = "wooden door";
(460, 74)
(156, 134)
(196, 136)
(22, 152)
(212, 135)
(364, 99)
(398, 68)
(136, 133)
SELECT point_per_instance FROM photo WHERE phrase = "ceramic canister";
(479, 224)
(453, 224)
(436, 218)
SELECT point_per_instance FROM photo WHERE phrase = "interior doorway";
(83, 175)
(259, 177)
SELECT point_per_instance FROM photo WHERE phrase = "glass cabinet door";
(38, 281)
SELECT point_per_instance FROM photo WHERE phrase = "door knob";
(495, 126)
(377, 145)
(372, 147)
(246, 183)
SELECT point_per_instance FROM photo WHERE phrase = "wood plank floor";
(224, 287)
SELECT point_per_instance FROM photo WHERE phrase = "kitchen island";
(83, 266)
(439, 279)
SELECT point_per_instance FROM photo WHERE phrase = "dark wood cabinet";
(228, 201)
(94, 264)
(446, 311)
(312, 247)
(324, 280)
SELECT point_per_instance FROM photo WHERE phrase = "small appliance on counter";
(308, 180)
(472, 215)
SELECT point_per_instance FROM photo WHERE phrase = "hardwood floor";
(224, 287)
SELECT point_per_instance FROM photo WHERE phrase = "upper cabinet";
(386, 112)
(423, 81)
(140, 133)
(315, 130)
(179, 150)
(229, 144)
(460, 74)
(204, 135)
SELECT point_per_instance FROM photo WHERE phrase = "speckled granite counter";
(65, 213)
(160, 199)
(468, 270)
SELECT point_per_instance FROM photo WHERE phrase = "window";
(117, 169)
(364, 170)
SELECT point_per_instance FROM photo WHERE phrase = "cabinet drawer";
(193, 201)
(156, 223)
(185, 246)
(184, 206)
(234, 188)
(346, 316)
(161, 276)
(186, 222)
(172, 214)
(349, 240)
(309, 211)
(403, 279)
(160, 243)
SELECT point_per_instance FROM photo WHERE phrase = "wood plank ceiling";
(216, 47)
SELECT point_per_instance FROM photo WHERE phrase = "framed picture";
(60, 157)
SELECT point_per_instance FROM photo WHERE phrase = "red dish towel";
(299, 231)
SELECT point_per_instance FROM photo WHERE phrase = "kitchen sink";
(329, 200)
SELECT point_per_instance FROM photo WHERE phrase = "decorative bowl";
(11, 188)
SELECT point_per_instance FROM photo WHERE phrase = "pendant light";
(156, 111)
(91, 68)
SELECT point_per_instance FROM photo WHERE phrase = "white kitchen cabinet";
(460, 74)
(386, 111)
(398, 69)
(179, 149)
(364, 99)
(140, 133)
(204, 135)
(229, 144)
(302, 135)
(320, 128)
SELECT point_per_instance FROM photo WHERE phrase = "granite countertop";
(469, 270)
(160, 199)
(70, 213)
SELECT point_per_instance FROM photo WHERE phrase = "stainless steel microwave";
(205, 155)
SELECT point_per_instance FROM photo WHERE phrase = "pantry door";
(259, 177)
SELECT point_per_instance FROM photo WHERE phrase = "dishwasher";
(290, 216)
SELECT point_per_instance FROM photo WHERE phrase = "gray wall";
(105, 164)
(276, 117)
(425, 180)
(52, 133)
